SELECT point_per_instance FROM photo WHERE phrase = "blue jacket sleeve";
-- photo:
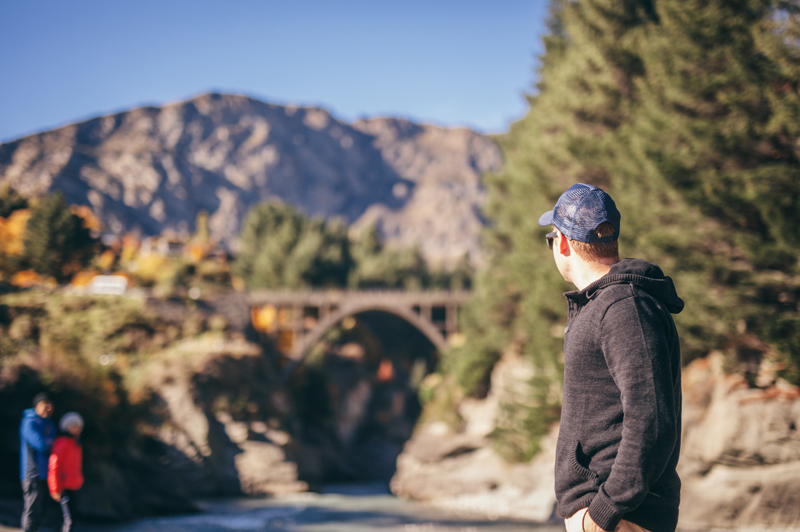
(34, 436)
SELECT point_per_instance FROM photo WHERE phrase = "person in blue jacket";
(36, 435)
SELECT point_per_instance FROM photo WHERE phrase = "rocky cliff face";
(156, 168)
(740, 459)
(740, 456)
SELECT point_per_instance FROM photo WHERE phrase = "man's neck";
(590, 272)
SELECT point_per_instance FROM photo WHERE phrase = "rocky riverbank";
(179, 405)
(176, 407)
(740, 463)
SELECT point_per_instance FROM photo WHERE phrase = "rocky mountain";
(152, 169)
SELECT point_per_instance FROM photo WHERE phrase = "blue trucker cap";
(580, 210)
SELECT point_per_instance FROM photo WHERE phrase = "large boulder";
(740, 461)
(461, 469)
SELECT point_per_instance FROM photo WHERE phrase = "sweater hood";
(30, 413)
(645, 275)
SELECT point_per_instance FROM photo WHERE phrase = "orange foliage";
(90, 221)
(285, 341)
(264, 318)
(385, 370)
(25, 279)
(130, 248)
(83, 278)
(12, 229)
(197, 251)
(106, 260)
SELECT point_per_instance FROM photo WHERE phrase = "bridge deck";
(357, 297)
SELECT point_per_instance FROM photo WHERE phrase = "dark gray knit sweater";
(619, 440)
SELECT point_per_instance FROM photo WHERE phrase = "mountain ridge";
(152, 168)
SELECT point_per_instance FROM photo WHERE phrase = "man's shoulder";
(29, 420)
(38, 424)
(627, 295)
(613, 293)
(620, 291)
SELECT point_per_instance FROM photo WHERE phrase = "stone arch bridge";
(297, 320)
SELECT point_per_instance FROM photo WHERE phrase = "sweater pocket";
(580, 462)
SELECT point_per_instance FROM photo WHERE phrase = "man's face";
(44, 409)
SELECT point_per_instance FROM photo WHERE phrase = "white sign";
(109, 285)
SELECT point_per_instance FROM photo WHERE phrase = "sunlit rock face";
(155, 168)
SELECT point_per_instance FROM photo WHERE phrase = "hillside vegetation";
(85, 352)
(283, 248)
(688, 114)
(149, 369)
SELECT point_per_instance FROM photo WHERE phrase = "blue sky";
(464, 62)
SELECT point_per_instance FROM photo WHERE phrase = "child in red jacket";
(66, 464)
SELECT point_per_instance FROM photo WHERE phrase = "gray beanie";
(70, 419)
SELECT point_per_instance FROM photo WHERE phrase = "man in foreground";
(619, 440)
(36, 435)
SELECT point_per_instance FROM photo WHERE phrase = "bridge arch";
(431, 332)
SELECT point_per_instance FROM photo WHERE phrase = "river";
(347, 509)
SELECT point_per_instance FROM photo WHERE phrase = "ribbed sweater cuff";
(602, 512)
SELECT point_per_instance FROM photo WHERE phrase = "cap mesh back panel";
(579, 213)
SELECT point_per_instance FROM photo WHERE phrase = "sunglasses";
(550, 237)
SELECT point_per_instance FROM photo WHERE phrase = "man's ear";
(563, 245)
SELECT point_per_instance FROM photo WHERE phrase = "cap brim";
(546, 219)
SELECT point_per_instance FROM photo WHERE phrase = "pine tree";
(10, 201)
(281, 248)
(686, 112)
(56, 242)
(379, 267)
(585, 77)
(718, 126)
